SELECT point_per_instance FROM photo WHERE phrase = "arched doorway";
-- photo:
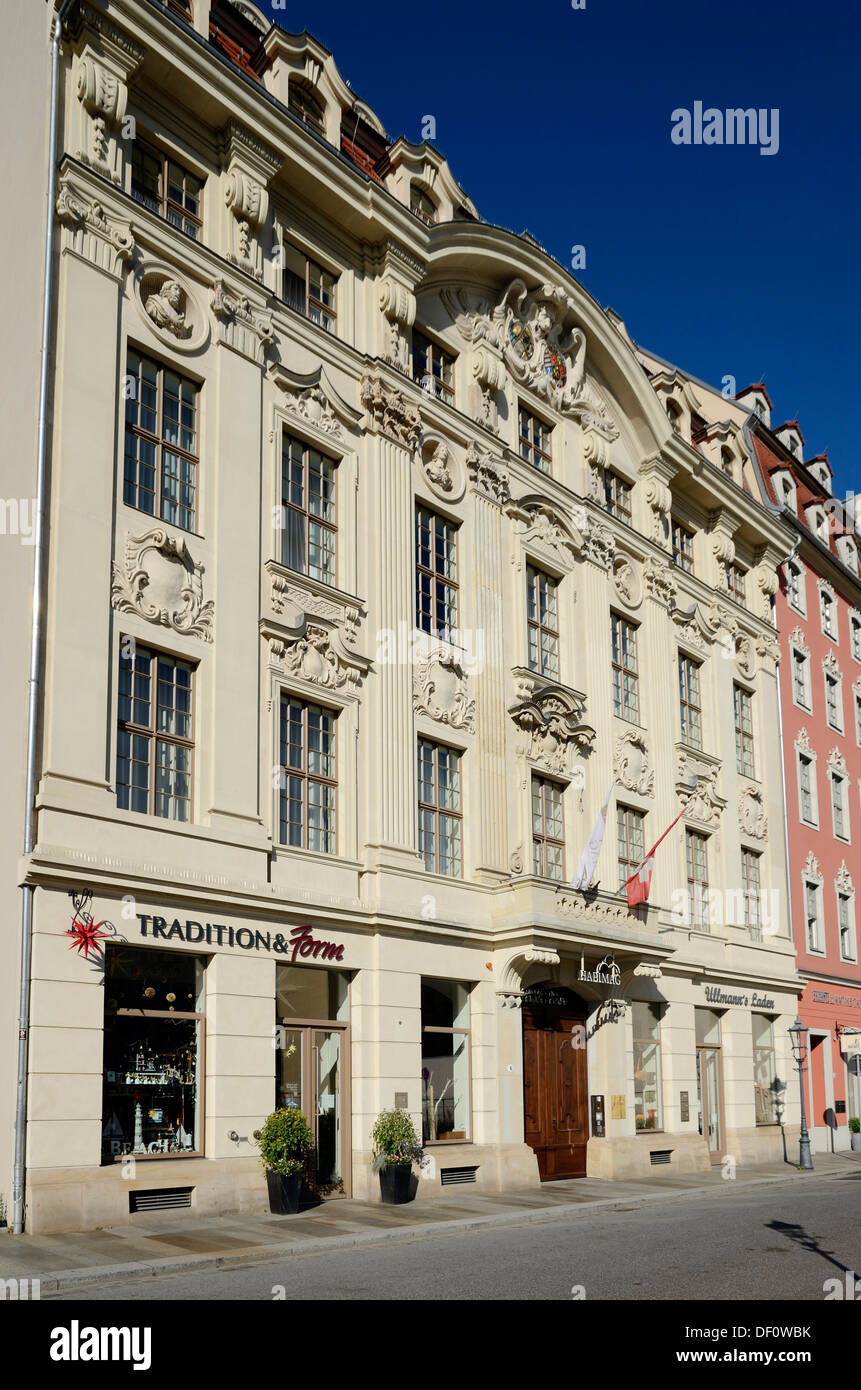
(555, 1089)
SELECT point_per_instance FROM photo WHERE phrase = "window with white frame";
(801, 693)
(833, 700)
(743, 705)
(855, 635)
(807, 798)
(846, 918)
(857, 701)
(795, 586)
(828, 613)
(751, 887)
(542, 623)
(839, 806)
(813, 915)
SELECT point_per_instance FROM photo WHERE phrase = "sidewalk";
(63, 1263)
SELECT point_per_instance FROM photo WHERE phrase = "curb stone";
(63, 1281)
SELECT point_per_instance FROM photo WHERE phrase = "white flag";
(589, 859)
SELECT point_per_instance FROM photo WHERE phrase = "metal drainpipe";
(791, 556)
(35, 643)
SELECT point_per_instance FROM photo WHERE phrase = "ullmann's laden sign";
(300, 942)
(720, 994)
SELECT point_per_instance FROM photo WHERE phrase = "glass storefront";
(764, 1071)
(445, 1061)
(312, 1008)
(647, 1066)
(153, 1053)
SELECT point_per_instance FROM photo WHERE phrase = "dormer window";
(848, 553)
(422, 204)
(305, 104)
(727, 463)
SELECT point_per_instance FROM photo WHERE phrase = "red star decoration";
(86, 935)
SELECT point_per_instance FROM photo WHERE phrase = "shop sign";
(847, 1001)
(850, 1044)
(300, 943)
(606, 972)
(716, 995)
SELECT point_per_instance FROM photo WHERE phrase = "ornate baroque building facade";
(374, 557)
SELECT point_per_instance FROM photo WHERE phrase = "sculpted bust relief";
(166, 310)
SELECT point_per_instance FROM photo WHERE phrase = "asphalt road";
(775, 1242)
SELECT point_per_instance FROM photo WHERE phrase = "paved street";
(777, 1242)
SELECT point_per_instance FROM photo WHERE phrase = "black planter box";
(395, 1184)
(284, 1192)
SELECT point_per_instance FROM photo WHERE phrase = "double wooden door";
(556, 1101)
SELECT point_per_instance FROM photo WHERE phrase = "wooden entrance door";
(555, 1094)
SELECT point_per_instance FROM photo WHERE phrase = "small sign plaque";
(617, 1107)
(401, 1100)
(685, 1106)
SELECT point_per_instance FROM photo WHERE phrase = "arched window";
(422, 204)
(305, 103)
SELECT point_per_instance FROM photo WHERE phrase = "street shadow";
(797, 1233)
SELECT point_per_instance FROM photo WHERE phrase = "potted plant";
(284, 1140)
(395, 1145)
(855, 1132)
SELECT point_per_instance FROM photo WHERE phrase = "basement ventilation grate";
(659, 1156)
(449, 1176)
(160, 1199)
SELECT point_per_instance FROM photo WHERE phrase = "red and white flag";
(638, 886)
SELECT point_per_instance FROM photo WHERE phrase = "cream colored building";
(344, 481)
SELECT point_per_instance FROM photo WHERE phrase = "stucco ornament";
(166, 308)
(745, 656)
(248, 329)
(551, 724)
(160, 581)
(488, 476)
(170, 308)
(703, 803)
(627, 580)
(293, 602)
(443, 473)
(441, 690)
(314, 658)
(541, 525)
(631, 763)
(752, 819)
(390, 412)
(660, 582)
(844, 879)
(541, 350)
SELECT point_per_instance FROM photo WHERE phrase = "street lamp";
(798, 1034)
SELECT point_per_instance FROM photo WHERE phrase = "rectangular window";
(308, 288)
(800, 675)
(752, 900)
(309, 530)
(743, 703)
(838, 807)
(446, 1100)
(433, 367)
(153, 1054)
(683, 547)
(696, 853)
(542, 623)
(855, 636)
(806, 789)
(813, 916)
(436, 574)
(630, 841)
(534, 438)
(795, 586)
(735, 582)
(617, 496)
(626, 691)
(846, 926)
(858, 718)
(826, 611)
(647, 1066)
(764, 1071)
(833, 713)
(307, 798)
(154, 735)
(440, 814)
(161, 454)
(166, 188)
(689, 701)
(548, 835)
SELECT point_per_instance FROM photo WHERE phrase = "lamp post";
(798, 1034)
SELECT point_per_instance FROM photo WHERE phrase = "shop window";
(440, 813)
(155, 742)
(648, 1113)
(690, 702)
(445, 1062)
(153, 1054)
(765, 1084)
(534, 439)
(626, 687)
(542, 623)
(166, 188)
(433, 367)
(436, 574)
(308, 288)
(308, 518)
(548, 835)
(308, 791)
(161, 451)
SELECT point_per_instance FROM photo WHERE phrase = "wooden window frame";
(309, 518)
(745, 742)
(698, 888)
(417, 193)
(166, 204)
(297, 89)
(160, 445)
(622, 668)
(690, 700)
(532, 450)
(153, 735)
(443, 390)
(540, 838)
(311, 301)
(451, 588)
(437, 809)
(534, 576)
(625, 841)
(683, 554)
(307, 778)
(750, 858)
(618, 506)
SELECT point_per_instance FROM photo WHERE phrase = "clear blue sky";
(558, 120)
